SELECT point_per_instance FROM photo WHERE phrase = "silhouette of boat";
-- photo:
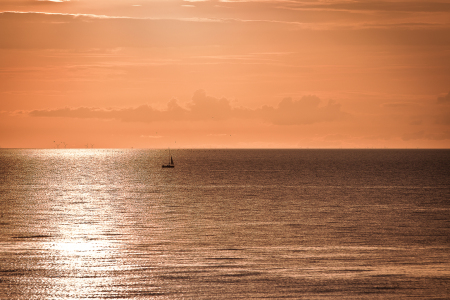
(170, 164)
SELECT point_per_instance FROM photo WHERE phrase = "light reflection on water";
(97, 224)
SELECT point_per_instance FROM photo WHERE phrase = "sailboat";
(170, 164)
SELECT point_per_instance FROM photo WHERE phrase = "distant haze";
(224, 74)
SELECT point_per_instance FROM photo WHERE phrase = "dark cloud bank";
(444, 99)
(306, 110)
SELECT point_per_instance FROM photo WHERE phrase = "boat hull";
(168, 166)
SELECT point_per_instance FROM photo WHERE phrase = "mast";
(170, 164)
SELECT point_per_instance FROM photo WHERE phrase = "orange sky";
(236, 74)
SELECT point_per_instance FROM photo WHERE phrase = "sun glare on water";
(80, 248)
(84, 253)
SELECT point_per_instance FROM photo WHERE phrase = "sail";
(170, 164)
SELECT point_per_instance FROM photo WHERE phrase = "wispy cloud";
(86, 31)
(53, 0)
(356, 5)
(36, 14)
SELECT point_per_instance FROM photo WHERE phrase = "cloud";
(143, 113)
(81, 31)
(444, 99)
(205, 107)
(58, 1)
(398, 105)
(307, 110)
(443, 115)
(356, 6)
(74, 31)
(386, 6)
(421, 135)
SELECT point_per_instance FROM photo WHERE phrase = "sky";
(224, 74)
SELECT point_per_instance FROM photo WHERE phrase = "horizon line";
(230, 148)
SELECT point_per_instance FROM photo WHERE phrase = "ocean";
(224, 224)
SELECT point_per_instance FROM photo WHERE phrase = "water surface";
(325, 224)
